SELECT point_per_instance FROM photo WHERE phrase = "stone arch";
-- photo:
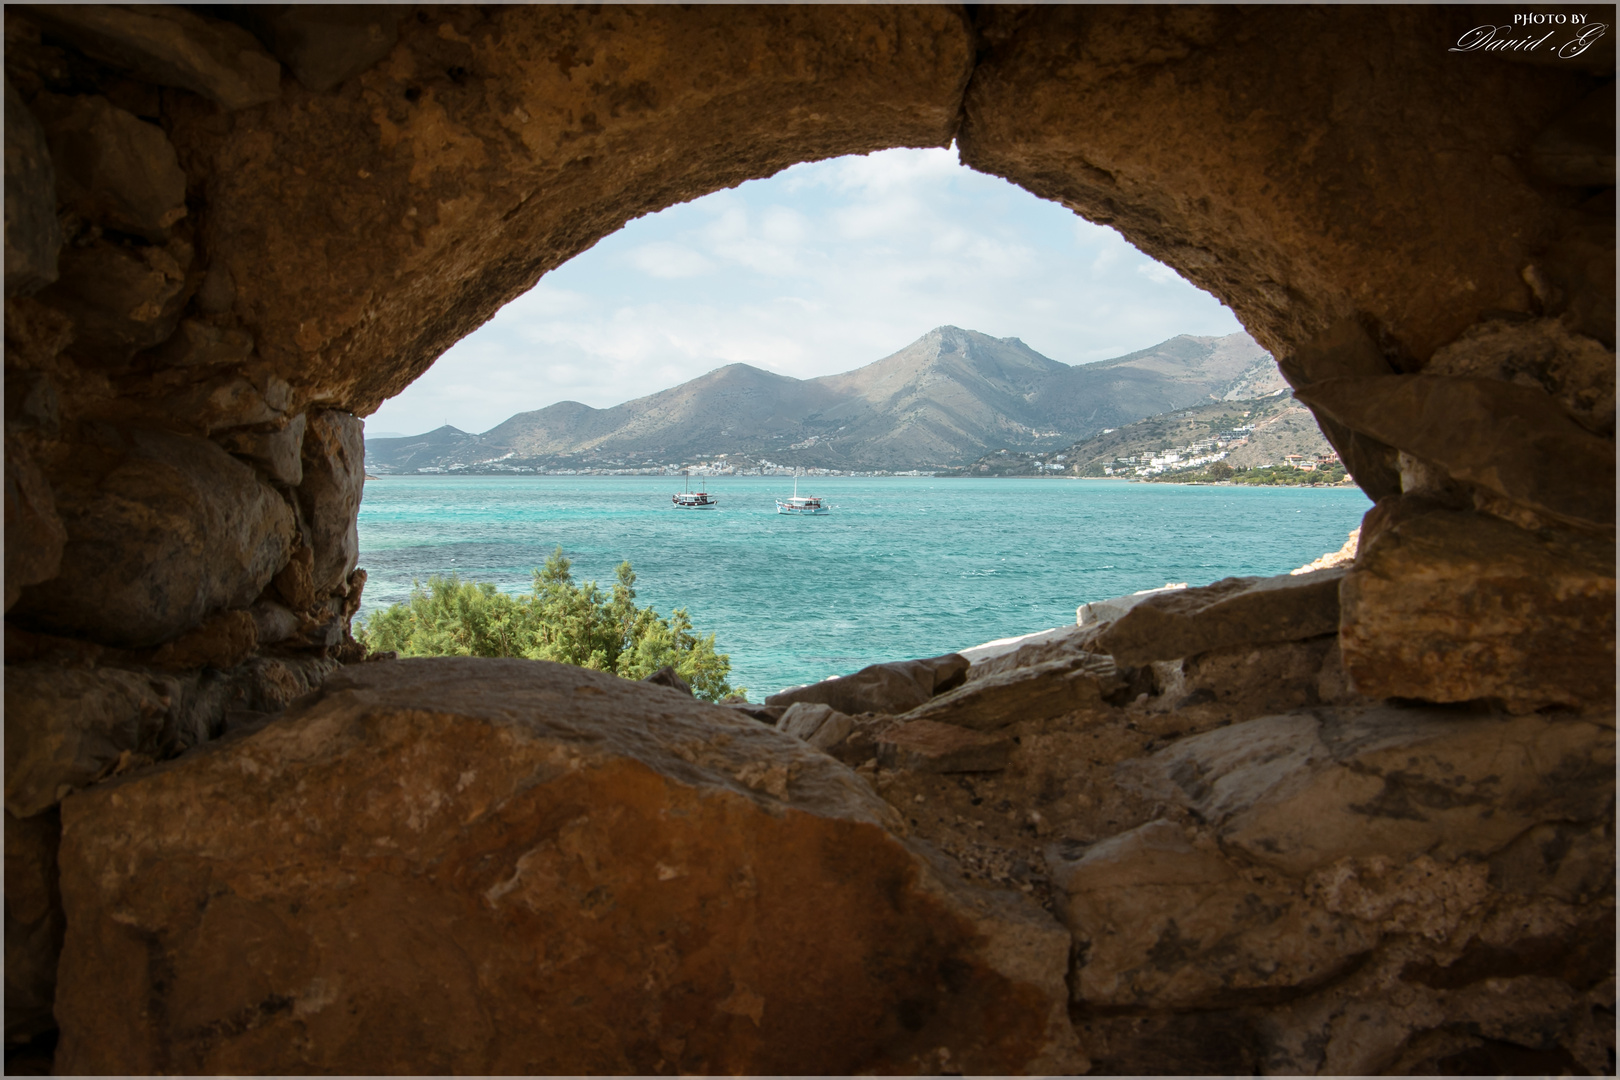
(231, 232)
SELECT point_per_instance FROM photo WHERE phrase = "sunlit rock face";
(557, 872)
(227, 241)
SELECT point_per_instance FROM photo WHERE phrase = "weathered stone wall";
(232, 231)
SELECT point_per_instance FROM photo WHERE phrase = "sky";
(824, 267)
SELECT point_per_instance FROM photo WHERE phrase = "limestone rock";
(113, 168)
(1231, 613)
(882, 688)
(174, 529)
(33, 237)
(334, 473)
(224, 640)
(510, 866)
(278, 452)
(1163, 922)
(122, 299)
(198, 344)
(1301, 790)
(228, 401)
(1515, 441)
(1571, 862)
(667, 676)
(34, 532)
(68, 727)
(323, 45)
(1342, 350)
(1449, 605)
(765, 714)
(270, 684)
(822, 726)
(1034, 693)
(1226, 685)
(1103, 611)
(930, 746)
(171, 47)
(1067, 643)
(295, 581)
(1576, 370)
(273, 623)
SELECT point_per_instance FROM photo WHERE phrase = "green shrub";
(559, 620)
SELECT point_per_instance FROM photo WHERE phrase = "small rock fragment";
(1105, 611)
(222, 641)
(325, 44)
(273, 623)
(1231, 613)
(1036, 693)
(169, 46)
(667, 676)
(199, 344)
(821, 726)
(112, 167)
(882, 688)
(122, 299)
(278, 452)
(932, 747)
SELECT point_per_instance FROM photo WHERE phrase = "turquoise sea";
(901, 567)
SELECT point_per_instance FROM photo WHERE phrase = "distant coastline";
(943, 400)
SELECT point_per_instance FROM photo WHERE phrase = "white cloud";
(822, 268)
(670, 261)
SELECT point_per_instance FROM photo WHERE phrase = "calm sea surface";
(902, 567)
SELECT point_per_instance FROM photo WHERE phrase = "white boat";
(693, 500)
(800, 504)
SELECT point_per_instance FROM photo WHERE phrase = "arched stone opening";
(226, 239)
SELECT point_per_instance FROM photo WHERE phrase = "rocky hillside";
(1277, 427)
(1280, 426)
(944, 399)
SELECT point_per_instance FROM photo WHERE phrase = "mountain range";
(943, 400)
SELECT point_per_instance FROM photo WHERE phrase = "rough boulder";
(514, 866)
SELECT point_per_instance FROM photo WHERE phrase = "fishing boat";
(800, 504)
(693, 500)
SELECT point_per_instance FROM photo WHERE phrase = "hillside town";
(1177, 458)
(717, 465)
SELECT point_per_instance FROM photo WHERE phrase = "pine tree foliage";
(558, 620)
